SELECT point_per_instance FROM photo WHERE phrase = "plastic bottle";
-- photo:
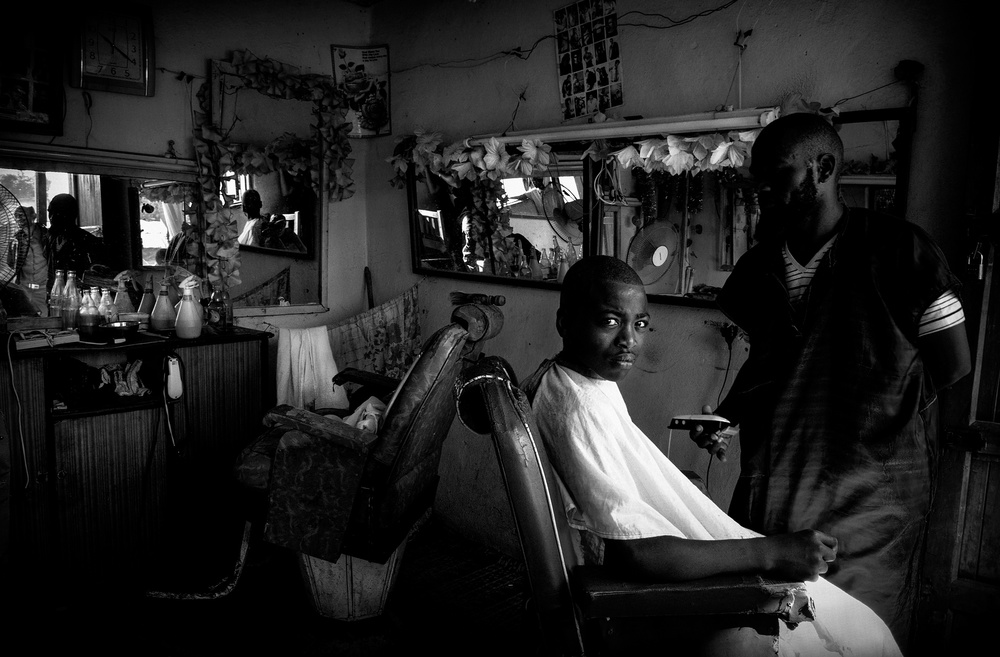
(148, 298)
(227, 305)
(71, 301)
(563, 267)
(534, 268)
(163, 315)
(87, 317)
(102, 302)
(122, 299)
(189, 320)
(546, 265)
(56, 294)
(108, 308)
(216, 316)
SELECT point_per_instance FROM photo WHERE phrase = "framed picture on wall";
(363, 74)
(588, 57)
(31, 84)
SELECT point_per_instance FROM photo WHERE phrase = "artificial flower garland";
(487, 161)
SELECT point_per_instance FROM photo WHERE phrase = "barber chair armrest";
(354, 375)
(366, 384)
(602, 595)
(320, 426)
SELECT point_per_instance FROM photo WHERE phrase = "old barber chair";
(582, 609)
(346, 499)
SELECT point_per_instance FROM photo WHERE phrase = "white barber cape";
(617, 484)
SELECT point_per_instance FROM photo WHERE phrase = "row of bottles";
(86, 310)
(83, 309)
(555, 262)
(67, 300)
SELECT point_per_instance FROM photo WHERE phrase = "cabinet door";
(109, 482)
(23, 405)
(219, 413)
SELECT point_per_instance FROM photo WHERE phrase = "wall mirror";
(680, 207)
(135, 204)
(541, 224)
(283, 222)
(266, 147)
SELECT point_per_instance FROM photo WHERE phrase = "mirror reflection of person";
(277, 234)
(71, 248)
(251, 235)
(27, 256)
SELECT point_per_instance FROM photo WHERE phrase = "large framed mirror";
(680, 207)
(134, 205)
(538, 224)
(267, 183)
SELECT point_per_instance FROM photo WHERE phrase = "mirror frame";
(595, 217)
(323, 156)
(415, 252)
(126, 166)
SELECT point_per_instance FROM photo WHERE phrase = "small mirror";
(276, 214)
(540, 218)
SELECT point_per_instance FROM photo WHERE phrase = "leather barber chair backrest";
(489, 403)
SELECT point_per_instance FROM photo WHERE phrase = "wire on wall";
(525, 53)
(20, 411)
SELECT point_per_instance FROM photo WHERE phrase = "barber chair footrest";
(350, 588)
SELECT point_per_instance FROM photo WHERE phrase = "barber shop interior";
(497, 327)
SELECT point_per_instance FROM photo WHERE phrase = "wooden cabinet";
(114, 488)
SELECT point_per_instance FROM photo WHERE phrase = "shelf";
(108, 405)
(875, 180)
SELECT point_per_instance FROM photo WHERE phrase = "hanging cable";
(20, 412)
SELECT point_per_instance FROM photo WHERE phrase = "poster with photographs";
(363, 74)
(589, 58)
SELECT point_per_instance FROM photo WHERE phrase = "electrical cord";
(20, 412)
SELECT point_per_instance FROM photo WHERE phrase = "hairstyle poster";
(589, 59)
(363, 74)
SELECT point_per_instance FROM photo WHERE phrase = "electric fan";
(565, 222)
(652, 251)
(8, 228)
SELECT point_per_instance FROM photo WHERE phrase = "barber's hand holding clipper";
(714, 442)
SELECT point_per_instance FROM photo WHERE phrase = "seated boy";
(637, 513)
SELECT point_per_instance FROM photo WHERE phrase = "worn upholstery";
(332, 489)
(585, 608)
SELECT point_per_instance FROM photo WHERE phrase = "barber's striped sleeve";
(943, 313)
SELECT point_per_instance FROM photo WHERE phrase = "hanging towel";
(306, 369)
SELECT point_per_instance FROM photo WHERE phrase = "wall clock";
(116, 51)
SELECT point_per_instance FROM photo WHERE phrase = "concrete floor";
(451, 597)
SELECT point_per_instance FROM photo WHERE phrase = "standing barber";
(854, 323)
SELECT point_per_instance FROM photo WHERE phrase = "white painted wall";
(824, 49)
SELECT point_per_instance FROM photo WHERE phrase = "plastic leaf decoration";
(535, 153)
(628, 158)
(495, 158)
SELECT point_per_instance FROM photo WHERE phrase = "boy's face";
(603, 336)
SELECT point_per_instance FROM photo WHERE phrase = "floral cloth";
(384, 340)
